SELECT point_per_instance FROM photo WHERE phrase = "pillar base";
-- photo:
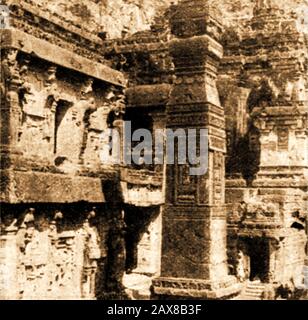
(196, 289)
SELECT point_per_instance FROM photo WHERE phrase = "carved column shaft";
(10, 105)
(194, 221)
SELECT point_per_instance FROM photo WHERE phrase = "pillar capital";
(197, 47)
(195, 18)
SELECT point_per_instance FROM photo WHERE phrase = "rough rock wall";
(112, 16)
(115, 16)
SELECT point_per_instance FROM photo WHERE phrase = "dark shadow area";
(137, 221)
(258, 251)
(245, 156)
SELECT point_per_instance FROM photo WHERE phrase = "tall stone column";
(194, 261)
(11, 112)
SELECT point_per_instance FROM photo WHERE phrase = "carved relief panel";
(47, 263)
(55, 117)
(218, 178)
(186, 185)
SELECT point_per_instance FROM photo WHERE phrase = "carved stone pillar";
(117, 112)
(88, 106)
(273, 263)
(50, 109)
(159, 123)
(10, 106)
(92, 254)
(194, 261)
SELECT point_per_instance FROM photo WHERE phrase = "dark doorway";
(137, 221)
(258, 250)
(140, 119)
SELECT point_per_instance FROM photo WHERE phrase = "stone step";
(252, 295)
(255, 286)
(244, 297)
(253, 291)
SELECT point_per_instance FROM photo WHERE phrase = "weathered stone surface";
(42, 258)
(44, 50)
(265, 135)
(236, 68)
(31, 187)
(148, 96)
(194, 243)
(130, 16)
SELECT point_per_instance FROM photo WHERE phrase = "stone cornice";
(15, 39)
(148, 95)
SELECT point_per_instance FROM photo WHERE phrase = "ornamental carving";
(255, 210)
(50, 263)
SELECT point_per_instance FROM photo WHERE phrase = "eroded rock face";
(130, 16)
(62, 92)
(112, 16)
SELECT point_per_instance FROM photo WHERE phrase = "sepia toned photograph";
(154, 150)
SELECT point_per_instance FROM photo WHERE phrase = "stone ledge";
(196, 289)
(141, 195)
(142, 177)
(29, 187)
(197, 212)
(46, 51)
(275, 233)
(280, 183)
(148, 95)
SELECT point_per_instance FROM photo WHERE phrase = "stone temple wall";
(72, 224)
(44, 259)
(56, 96)
(62, 201)
(266, 185)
